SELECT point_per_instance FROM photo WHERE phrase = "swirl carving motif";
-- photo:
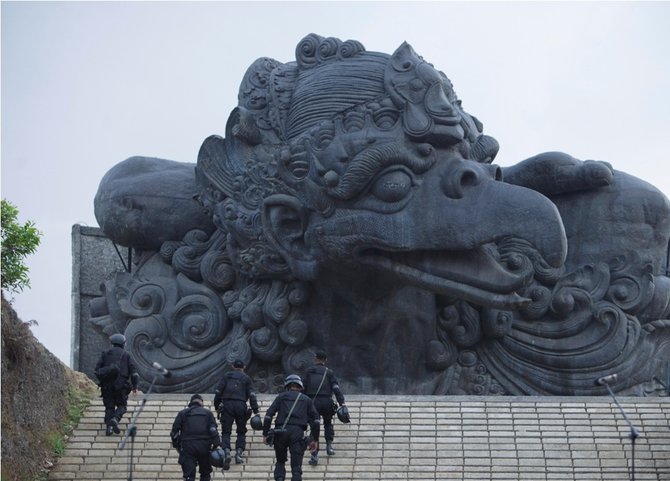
(297, 360)
(464, 328)
(314, 50)
(441, 354)
(265, 344)
(293, 332)
(632, 285)
(593, 319)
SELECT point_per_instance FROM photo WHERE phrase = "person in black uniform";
(294, 412)
(230, 401)
(320, 385)
(194, 434)
(117, 376)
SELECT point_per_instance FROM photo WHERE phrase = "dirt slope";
(39, 398)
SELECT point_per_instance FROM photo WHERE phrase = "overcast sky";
(87, 85)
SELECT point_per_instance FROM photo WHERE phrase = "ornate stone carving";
(353, 205)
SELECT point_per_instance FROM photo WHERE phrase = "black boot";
(109, 431)
(226, 459)
(238, 456)
(280, 471)
(114, 423)
(314, 459)
(329, 448)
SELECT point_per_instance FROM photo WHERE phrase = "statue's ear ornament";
(285, 222)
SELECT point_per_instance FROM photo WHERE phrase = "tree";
(18, 241)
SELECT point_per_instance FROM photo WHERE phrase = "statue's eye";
(392, 186)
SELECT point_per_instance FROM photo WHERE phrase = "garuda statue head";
(353, 205)
(327, 161)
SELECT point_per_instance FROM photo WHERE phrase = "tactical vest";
(195, 424)
(313, 376)
(236, 386)
(299, 415)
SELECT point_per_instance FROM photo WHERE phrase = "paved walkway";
(412, 438)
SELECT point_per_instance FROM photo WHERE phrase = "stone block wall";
(95, 259)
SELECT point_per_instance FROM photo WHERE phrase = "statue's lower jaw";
(446, 287)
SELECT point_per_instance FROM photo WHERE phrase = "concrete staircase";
(411, 438)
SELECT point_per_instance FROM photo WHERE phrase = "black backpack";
(110, 373)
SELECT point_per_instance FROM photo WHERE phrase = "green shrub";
(18, 241)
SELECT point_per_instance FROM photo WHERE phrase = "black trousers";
(195, 453)
(234, 410)
(324, 405)
(293, 441)
(116, 404)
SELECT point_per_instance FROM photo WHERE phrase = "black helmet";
(216, 457)
(343, 414)
(117, 339)
(256, 422)
(293, 379)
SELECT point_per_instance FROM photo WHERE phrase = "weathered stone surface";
(143, 202)
(354, 206)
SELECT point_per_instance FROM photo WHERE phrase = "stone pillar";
(95, 259)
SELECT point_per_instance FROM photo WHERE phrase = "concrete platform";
(411, 438)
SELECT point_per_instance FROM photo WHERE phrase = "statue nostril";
(495, 171)
(468, 178)
(455, 181)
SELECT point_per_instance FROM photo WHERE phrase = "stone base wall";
(95, 259)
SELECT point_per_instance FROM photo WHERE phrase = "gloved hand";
(176, 441)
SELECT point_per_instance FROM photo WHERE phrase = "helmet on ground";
(256, 422)
(343, 414)
(293, 379)
(117, 339)
(216, 457)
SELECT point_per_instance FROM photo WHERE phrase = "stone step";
(409, 438)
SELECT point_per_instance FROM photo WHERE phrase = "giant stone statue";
(353, 206)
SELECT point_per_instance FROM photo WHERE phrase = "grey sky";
(86, 85)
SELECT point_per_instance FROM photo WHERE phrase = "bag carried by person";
(107, 374)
